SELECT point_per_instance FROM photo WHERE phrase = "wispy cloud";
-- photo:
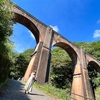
(55, 28)
(98, 21)
(31, 34)
(96, 34)
(18, 47)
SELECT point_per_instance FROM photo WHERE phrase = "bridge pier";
(33, 64)
(87, 84)
(44, 63)
(81, 87)
(40, 60)
(77, 92)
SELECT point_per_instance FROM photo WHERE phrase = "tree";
(6, 47)
(61, 69)
(20, 66)
(96, 50)
(21, 62)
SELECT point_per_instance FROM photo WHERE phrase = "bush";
(6, 25)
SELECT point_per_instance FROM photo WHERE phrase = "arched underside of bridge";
(94, 65)
(71, 52)
(27, 23)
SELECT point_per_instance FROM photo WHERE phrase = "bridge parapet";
(20, 9)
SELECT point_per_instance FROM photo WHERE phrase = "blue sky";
(76, 20)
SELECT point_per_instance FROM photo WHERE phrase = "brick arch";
(27, 23)
(71, 52)
(94, 65)
(90, 67)
(93, 62)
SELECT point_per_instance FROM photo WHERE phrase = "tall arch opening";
(27, 37)
(24, 44)
(23, 38)
(94, 76)
(63, 61)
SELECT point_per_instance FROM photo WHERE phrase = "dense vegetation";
(20, 63)
(92, 48)
(5, 43)
(61, 64)
(61, 68)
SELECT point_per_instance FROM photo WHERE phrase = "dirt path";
(15, 91)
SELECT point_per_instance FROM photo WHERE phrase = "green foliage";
(96, 50)
(61, 69)
(97, 93)
(59, 56)
(94, 77)
(86, 46)
(20, 67)
(5, 20)
(21, 62)
(92, 48)
(6, 46)
(3, 84)
(27, 54)
(56, 93)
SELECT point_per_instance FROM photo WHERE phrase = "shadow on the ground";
(35, 94)
(14, 90)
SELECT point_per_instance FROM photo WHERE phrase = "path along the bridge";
(15, 91)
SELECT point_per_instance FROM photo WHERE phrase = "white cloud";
(98, 21)
(55, 28)
(31, 34)
(96, 34)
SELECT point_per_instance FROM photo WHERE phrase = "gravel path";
(15, 91)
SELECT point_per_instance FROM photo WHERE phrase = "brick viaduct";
(46, 37)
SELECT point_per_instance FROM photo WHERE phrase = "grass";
(97, 92)
(3, 84)
(60, 94)
(57, 94)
